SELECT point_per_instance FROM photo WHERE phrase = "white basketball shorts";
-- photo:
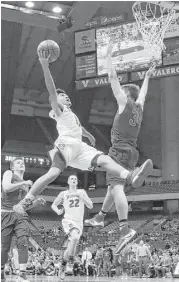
(69, 225)
(77, 153)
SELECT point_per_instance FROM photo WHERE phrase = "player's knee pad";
(23, 242)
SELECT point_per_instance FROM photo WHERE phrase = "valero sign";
(161, 72)
(123, 78)
(98, 81)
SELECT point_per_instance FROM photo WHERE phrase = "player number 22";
(74, 203)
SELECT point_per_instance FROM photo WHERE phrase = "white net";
(153, 20)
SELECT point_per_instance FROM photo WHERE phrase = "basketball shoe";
(97, 220)
(62, 269)
(126, 236)
(137, 176)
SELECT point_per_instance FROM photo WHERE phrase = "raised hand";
(110, 48)
(43, 59)
(150, 71)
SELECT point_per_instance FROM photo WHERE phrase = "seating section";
(50, 232)
(167, 233)
(156, 189)
(47, 224)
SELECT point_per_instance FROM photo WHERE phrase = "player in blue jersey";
(69, 148)
(15, 188)
(127, 122)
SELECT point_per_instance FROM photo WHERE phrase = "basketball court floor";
(92, 279)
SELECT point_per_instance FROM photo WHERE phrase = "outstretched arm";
(118, 92)
(57, 108)
(144, 88)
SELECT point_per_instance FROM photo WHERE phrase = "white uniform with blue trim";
(76, 153)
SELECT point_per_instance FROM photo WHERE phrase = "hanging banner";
(99, 81)
(85, 41)
(161, 72)
(86, 66)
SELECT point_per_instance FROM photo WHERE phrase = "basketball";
(50, 47)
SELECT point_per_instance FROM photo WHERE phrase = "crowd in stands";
(155, 255)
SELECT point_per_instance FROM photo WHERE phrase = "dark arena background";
(27, 130)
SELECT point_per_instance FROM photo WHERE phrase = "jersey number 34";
(137, 117)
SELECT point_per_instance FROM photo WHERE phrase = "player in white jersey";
(69, 149)
(73, 202)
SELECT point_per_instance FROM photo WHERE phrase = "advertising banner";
(161, 72)
(85, 41)
(86, 66)
(98, 81)
(106, 20)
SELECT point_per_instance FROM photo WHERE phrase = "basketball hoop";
(153, 19)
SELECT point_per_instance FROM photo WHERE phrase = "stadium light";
(29, 4)
(57, 9)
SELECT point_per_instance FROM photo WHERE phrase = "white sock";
(102, 213)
